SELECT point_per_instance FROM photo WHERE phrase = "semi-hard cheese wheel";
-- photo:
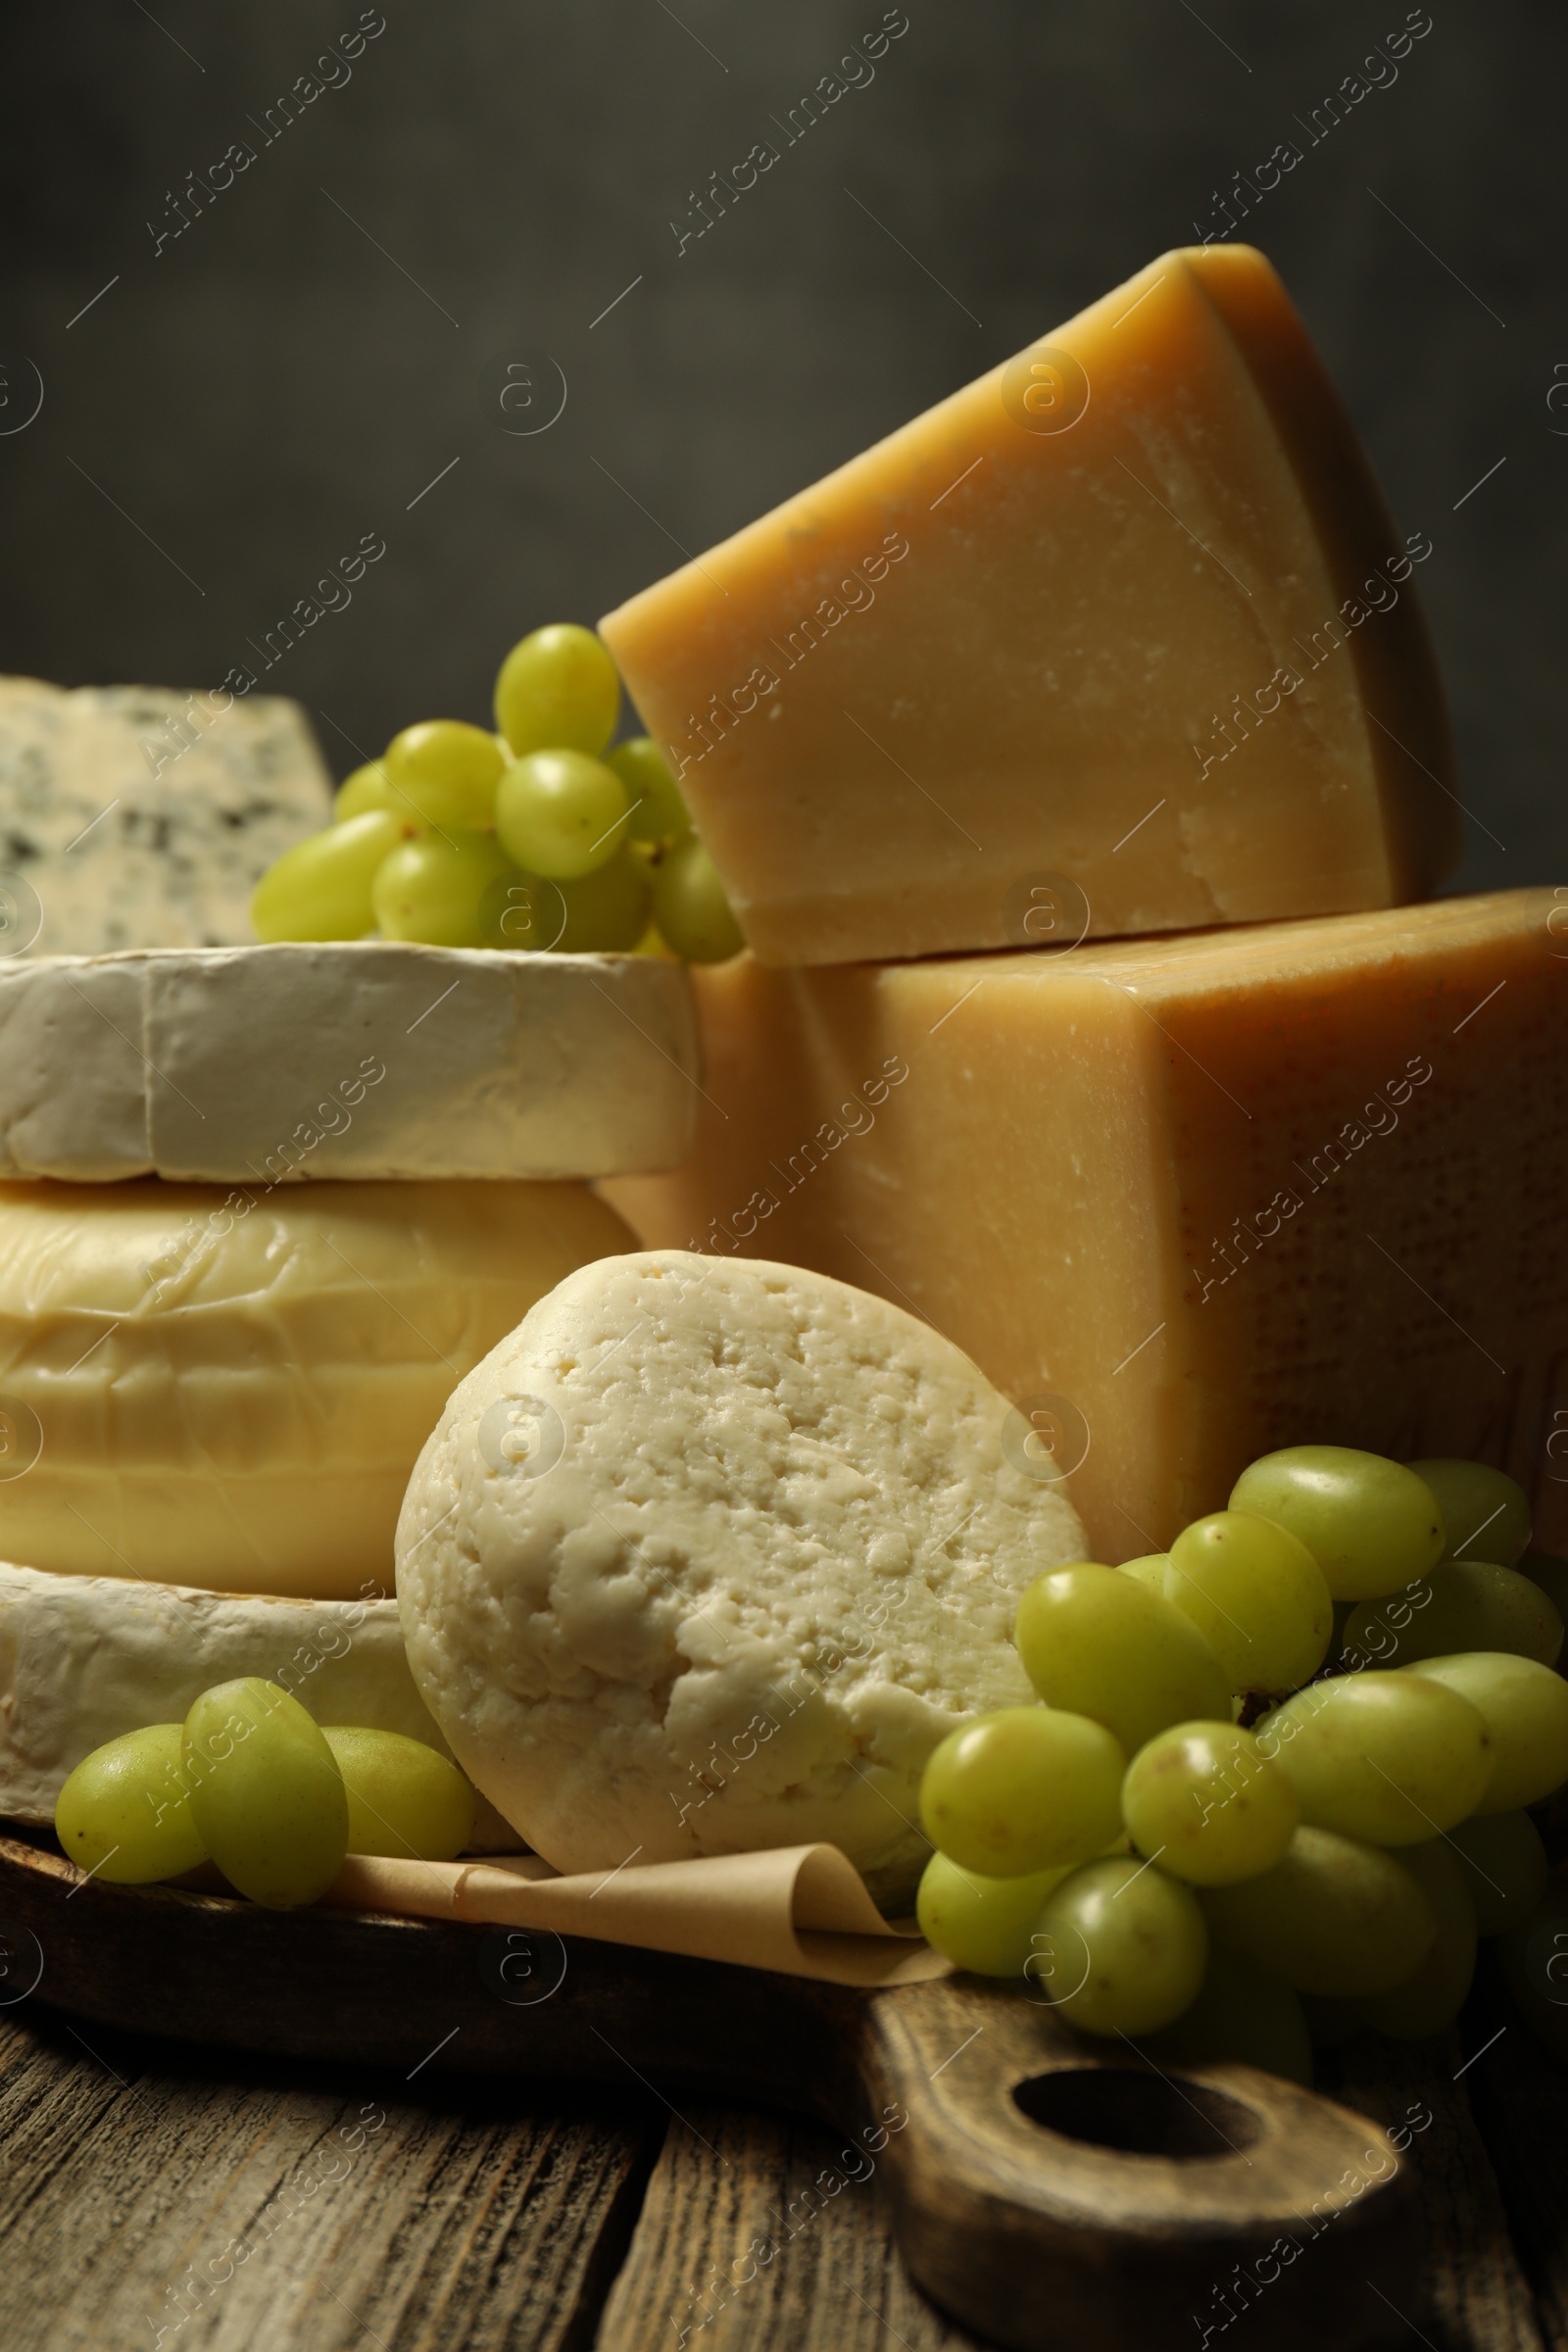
(86, 1658)
(707, 1557)
(1188, 1199)
(230, 1390)
(136, 817)
(255, 1066)
(1120, 638)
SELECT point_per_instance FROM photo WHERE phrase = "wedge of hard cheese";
(85, 1658)
(138, 817)
(363, 1058)
(1183, 1199)
(1119, 639)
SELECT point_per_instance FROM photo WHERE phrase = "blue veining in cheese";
(134, 816)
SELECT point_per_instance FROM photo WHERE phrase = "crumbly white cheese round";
(229, 1390)
(708, 1556)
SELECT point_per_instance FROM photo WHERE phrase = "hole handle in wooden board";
(1047, 2194)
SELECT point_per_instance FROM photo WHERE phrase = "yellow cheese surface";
(1210, 1194)
(230, 1388)
(1119, 639)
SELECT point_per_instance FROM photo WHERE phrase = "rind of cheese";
(1119, 639)
(132, 816)
(84, 1659)
(231, 1389)
(350, 1059)
(761, 1550)
(1206, 1196)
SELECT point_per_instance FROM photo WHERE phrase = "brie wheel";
(347, 1059)
(710, 1555)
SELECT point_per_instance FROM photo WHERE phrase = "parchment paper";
(802, 1910)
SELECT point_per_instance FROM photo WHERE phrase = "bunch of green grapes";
(1209, 1820)
(533, 838)
(251, 1783)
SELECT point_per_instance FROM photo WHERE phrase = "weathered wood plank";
(1481, 2300)
(759, 2230)
(1110, 2228)
(156, 2198)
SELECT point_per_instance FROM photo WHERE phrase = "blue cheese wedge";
(135, 816)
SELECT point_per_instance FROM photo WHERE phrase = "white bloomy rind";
(84, 1659)
(348, 1060)
(742, 1549)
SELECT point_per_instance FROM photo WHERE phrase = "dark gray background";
(235, 410)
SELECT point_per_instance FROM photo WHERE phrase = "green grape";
(365, 788)
(322, 887)
(1462, 1605)
(1368, 1523)
(1366, 1761)
(1206, 1802)
(1485, 1515)
(605, 913)
(1149, 1570)
(1433, 1994)
(1333, 1917)
(560, 814)
(1241, 2018)
(981, 1924)
(1534, 1967)
(1119, 1948)
(265, 1792)
(404, 1797)
(523, 911)
(658, 811)
(1525, 1706)
(1257, 1594)
(447, 773)
(690, 906)
(1023, 1789)
(1506, 1866)
(557, 690)
(1101, 1643)
(435, 890)
(125, 1813)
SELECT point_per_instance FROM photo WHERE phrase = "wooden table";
(355, 2208)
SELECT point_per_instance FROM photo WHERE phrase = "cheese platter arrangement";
(724, 1403)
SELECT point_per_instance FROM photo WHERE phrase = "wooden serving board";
(1045, 2191)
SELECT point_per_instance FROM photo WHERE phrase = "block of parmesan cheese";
(1119, 639)
(86, 1658)
(132, 816)
(1183, 1199)
(346, 1060)
(230, 1388)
